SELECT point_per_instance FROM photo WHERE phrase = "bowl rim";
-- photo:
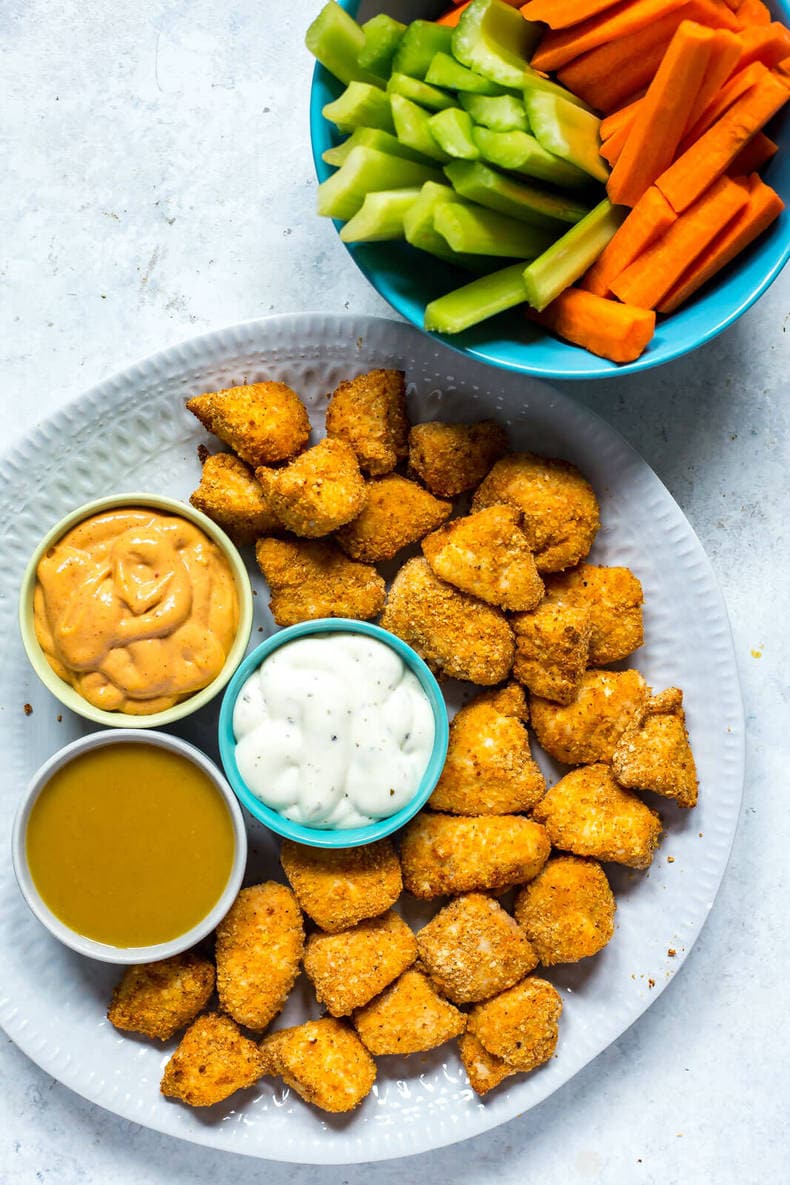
(349, 837)
(63, 691)
(91, 947)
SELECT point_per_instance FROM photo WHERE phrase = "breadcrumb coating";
(458, 636)
(654, 753)
(486, 555)
(311, 579)
(319, 490)
(614, 599)
(397, 512)
(262, 422)
(369, 413)
(560, 509)
(259, 947)
(231, 497)
(158, 999)
(483, 1069)
(324, 1061)
(350, 968)
(408, 1017)
(212, 1062)
(588, 728)
(338, 887)
(520, 1025)
(587, 813)
(552, 648)
(453, 458)
(567, 912)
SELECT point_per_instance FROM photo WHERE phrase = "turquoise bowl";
(398, 272)
(315, 837)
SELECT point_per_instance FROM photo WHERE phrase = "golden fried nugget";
(397, 512)
(614, 598)
(486, 554)
(310, 579)
(588, 728)
(408, 1017)
(654, 753)
(587, 813)
(448, 854)
(459, 637)
(552, 649)
(158, 999)
(369, 413)
(559, 506)
(317, 492)
(262, 422)
(213, 1060)
(567, 912)
(520, 1024)
(473, 949)
(338, 887)
(453, 458)
(229, 494)
(484, 1070)
(324, 1061)
(489, 769)
(259, 947)
(350, 968)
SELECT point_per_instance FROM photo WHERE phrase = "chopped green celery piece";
(477, 231)
(419, 43)
(534, 81)
(371, 138)
(412, 128)
(365, 171)
(567, 131)
(479, 183)
(477, 301)
(419, 92)
(418, 222)
(380, 216)
(335, 39)
(452, 131)
(445, 71)
(521, 153)
(360, 105)
(382, 37)
(504, 113)
(494, 39)
(569, 257)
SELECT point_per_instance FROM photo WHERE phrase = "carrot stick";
(725, 51)
(650, 218)
(611, 148)
(453, 15)
(622, 117)
(611, 330)
(736, 86)
(606, 76)
(753, 12)
(768, 44)
(754, 154)
(558, 14)
(649, 278)
(762, 208)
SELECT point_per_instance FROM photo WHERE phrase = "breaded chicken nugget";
(459, 637)
(486, 554)
(350, 968)
(520, 1024)
(317, 492)
(489, 769)
(654, 753)
(158, 999)
(484, 1070)
(369, 413)
(229, 494)
(314, 579)
(447, 854)
(397, 512)
(559, 506)
(587, 813)
(338, 887)
(408, 1017)
(473, 949)
(262, 422)
(453, 458)
(552, 648)
(324, 1061)
(567, 912)
(588, 728)
(259, 947)
(213, 1060)
(614, 598)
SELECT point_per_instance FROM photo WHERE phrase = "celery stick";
(567, 131)
(412, 128)
(533, 81)
(371, 138)
(418, 222)
(380, 217)
(479, 183)
(364, 171)
(476, 301)
(477, 231)
(420, 42)
(383, 35)
(504, 113)
(452, 131)
(569, 257)
(335, 39)
(445, 71)
(494, 39)
(521, 153)
(360, 105)
(419, 92)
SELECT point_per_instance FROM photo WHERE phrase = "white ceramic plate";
(132, 432)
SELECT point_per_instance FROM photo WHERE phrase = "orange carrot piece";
(736, 86)
(753, 12)
(606, 76)
(649, 278)
(733, 4)
(611, 148)
(453, 15)
(754, 154)
(762, 208)
(768, 44)
(650, 218)
(725, 51)
(710, 156)
(558, 14)
(604, 327)
(622, 117)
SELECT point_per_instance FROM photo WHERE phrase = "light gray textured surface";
(159, 183)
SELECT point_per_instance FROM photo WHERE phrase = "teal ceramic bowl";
(315, 837)
(398, 272)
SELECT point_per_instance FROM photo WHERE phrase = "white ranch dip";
(333, 731)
